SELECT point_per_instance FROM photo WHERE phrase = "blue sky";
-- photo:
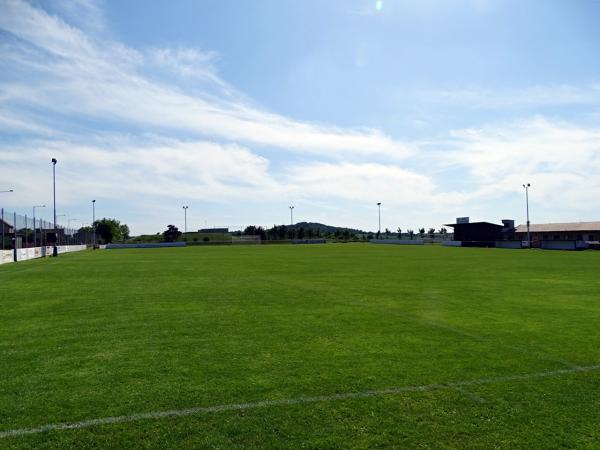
(437, 109)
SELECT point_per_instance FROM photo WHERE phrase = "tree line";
(281, 232)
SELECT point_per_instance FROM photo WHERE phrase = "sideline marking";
(292, 401)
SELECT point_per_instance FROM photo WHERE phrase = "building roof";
(558, 227)
(472, 223)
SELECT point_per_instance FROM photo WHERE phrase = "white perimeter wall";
(6, 256)
(397, 241)
(23, 254)
(452, 243)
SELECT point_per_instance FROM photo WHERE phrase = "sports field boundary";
(291, 401)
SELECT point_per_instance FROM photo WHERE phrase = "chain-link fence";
(27, 232)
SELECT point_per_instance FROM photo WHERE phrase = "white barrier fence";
(151, 245)
(6, 256)
(397, 241)
(23, 254)
(452, 243)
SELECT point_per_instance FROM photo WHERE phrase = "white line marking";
(476, 398)
(292, 401)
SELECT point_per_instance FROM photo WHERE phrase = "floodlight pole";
(3, 192)
(379, 216)
(292, 215)
(55, 249)
(185, 208)
(94, 223)
(527, 186)
(36, 206)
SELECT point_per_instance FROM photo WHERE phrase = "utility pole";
(185, 208)
(527, 186)
(55, 249)
(94, 223)
(379, 215)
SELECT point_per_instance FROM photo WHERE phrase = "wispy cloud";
(527, 97)
(105, 81)
(560, 158)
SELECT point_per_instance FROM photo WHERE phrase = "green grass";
(118, 332)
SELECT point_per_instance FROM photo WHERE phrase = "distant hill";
(323, 228)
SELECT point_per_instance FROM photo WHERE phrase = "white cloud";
(104, 80)
(365, 183)
(186, 62)
(505, 98)
(163, 168)
(558, 158)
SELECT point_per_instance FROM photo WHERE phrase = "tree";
(251, 230)
(111, 230)
(387, 233)
(422, 232)
(399, 233)
(301, 233)
(124, 231)
(291, 232)
(171, 234)
(443, 231)
(431, 232)
(411, 233)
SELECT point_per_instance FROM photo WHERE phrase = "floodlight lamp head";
(54, 161)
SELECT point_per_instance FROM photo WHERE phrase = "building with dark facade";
(482, 234)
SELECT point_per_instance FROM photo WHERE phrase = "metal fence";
(19, 231)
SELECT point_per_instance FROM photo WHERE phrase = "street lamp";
(55, 249)
(379, 215)
(36, 206)
(185, 208)
(527, 186)
(291, 215)
(94, 222)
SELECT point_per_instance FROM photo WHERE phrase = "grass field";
(427, 347)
